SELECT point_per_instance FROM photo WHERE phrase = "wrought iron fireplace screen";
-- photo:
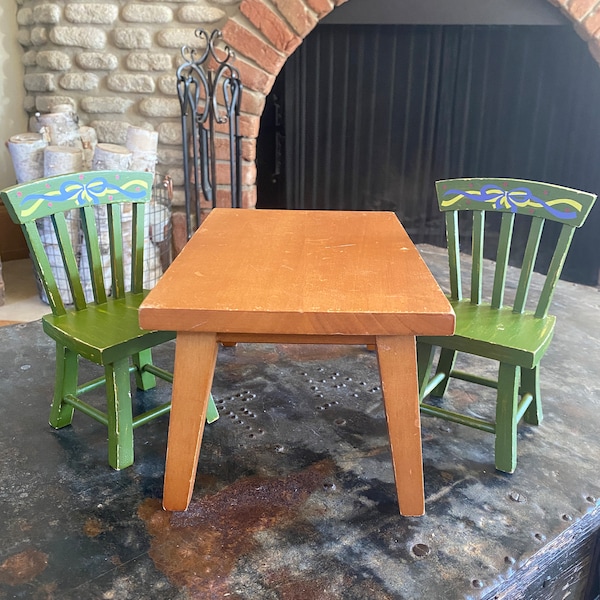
(209, 90)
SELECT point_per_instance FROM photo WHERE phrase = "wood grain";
(319, 277)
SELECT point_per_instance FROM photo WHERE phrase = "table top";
(299, 272)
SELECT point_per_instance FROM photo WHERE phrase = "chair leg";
(212, 413)
(445, 365)
(425, 354)
(530, 382)
(143, 379)
(61, 414)
(506, 418)
(119, 412)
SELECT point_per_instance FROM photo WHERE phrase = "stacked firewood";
(58, 145)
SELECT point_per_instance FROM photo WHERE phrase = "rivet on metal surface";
(591, 499)
(517, 496)
(329, 485)
(477, 583)
(421, 550)
(540, 537)
(567, 517)
(340, 421)
(279, 448)
(509, 560)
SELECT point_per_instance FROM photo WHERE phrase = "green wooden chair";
(515, 335)
(104, 331)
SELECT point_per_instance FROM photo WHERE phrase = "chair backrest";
(100, 208)
(534, 201)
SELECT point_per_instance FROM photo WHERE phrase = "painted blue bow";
(514, 199)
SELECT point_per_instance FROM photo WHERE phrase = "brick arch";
(263, 47)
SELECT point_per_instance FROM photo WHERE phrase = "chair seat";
(105, 332)
(498, 334)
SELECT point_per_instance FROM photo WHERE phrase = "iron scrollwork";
(209, 90)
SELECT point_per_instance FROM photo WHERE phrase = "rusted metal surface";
(295, 497)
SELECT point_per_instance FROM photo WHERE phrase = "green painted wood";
(528, 264)
(105, 331)
(65, 383)
(145, 380)
(554, 271)
(515, 336)
(502, 256)
(454, 255)
(28, 202)
(477, 256)
(531, 198)
(120, 417)
(137, 243)
(530, 384)
(43, 268)
(92, 244)
(69, 259)
(506, 418)
(445, 367)
(116, 250)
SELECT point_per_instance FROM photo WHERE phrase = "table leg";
(195, 359)
(398, 370)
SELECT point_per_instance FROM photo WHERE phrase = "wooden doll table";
(316, 277)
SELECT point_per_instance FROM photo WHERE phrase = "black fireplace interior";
(369, 116)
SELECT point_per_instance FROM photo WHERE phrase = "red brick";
(321, 7)
(297, 15)
(247, 43)
(249, 126)
(178, 231)
(270, 25)
(251, 102)
(249, 150)
(249, 197)
(255, 79)
(248, 173)
(251, 77)
(578, 9)
(591, 25)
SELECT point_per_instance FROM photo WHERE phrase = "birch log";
(60, 128)
(27, 155)
(89, 141)
(108, 157)
(59, 160)
(143, 144)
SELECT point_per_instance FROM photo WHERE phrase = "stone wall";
(115, 60)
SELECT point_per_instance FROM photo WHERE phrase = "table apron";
(275, 338)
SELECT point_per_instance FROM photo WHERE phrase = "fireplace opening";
(369, 116)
